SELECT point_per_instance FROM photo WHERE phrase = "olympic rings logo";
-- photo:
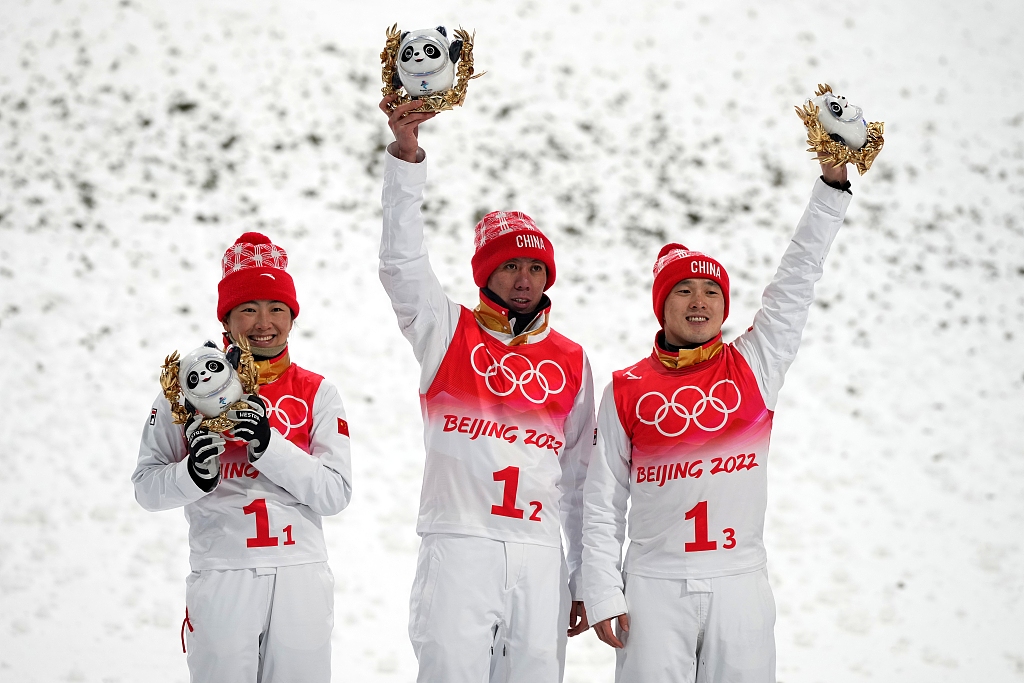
(504, 373)
(283, 418)
(693, 414)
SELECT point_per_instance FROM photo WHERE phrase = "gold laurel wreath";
(248, 373)
(442, 101)
(836, 153)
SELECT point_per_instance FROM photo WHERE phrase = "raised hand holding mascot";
(508, 413)
(683, 434)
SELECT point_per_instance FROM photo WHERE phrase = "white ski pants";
(484, 610)
(719, 630)
(265, 625)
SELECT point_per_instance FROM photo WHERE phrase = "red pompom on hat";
(504, 235)
(254, 269)
(675, 263)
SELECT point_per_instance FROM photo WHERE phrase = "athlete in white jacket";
(683, 434)
(508, 413)
(260, 598)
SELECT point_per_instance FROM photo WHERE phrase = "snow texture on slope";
(137, 140)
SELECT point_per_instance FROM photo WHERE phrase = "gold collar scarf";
(271, 368)
(684, 358)
(495, 317)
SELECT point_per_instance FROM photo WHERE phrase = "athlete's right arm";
(161, 476)
(605, 495)
(426, 315)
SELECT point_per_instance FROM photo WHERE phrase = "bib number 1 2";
(701, 542)
(510, 476)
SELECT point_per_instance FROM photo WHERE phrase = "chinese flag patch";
(342, 427)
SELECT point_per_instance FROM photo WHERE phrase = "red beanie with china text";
(504, 235)
(675, 263)
(253, 268)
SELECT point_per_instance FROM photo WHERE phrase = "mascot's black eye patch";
(192, 380)
(214, 366)
(835, 108)
(407, 53)
(431, 51)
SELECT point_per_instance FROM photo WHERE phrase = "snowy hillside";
(139, 139)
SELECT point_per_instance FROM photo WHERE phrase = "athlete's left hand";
(833, 174)
(577, 618)
(253, 426)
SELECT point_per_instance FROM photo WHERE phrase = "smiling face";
(208, 381)
(694, 312)
(844, 122)
(422, 56)
(841, 109)
(266, 324)
(519, 282)
(206, 375)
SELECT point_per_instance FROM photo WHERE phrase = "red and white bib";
(494, 433)
(698, 484)
(248, 520)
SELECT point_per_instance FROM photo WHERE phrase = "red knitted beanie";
(675, 263)
(504, 235)
(254, 269)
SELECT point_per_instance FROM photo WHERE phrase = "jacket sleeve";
(771, 343)
(321, 480)
(426, 316)
(161, 477)
(604, 519)
(579, 444)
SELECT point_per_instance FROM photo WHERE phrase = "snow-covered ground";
(138, 139)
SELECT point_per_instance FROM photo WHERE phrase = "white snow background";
(139, 139)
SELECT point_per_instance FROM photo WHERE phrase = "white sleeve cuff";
(607, 608)
(574, 586)
(392, 154)
(837, 201)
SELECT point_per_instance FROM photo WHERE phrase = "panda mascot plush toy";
(209, 380)
(426, 62)
(843, 121)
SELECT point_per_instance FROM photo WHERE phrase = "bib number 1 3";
(510, 476)
(263, 539)
(701, 542)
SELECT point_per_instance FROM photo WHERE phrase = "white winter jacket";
(689, 446)
(507, 446)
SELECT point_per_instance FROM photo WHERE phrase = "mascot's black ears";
(402, 37)
(455, 51)
(442, 31)
(210, 344)
(234, 355)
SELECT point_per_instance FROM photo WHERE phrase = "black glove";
(253, 426)
(234, 355)
(204, 451)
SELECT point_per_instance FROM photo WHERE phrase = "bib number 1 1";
(701, 542)
(510, 476)
(263, 539)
